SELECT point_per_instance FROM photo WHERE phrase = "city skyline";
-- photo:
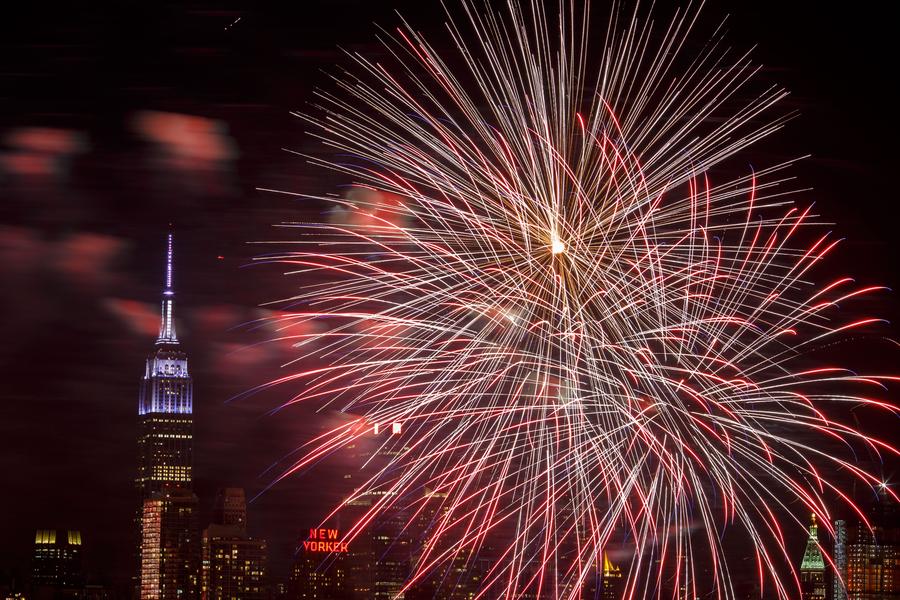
(329, 566)
(99, 273)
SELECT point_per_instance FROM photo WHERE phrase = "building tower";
(812, 568)
(165, 406)
(230, 508)
(460, 575)
(378, 560)
(611, 582)
(169, 548)
(839, 581)
(320, 571)
(873, 552)
(56, 567)
(234, 564)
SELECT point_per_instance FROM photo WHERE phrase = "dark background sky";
(119, 118)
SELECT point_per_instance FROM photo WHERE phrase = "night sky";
(119, 118)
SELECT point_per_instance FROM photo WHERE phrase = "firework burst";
(583, 342)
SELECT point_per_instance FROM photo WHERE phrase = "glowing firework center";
(556, 245)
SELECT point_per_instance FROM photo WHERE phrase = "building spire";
(812, 557)
(167, 324)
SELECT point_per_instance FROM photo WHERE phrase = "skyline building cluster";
(379, 561)
(872, 567)
(865, 557)
(177, 559)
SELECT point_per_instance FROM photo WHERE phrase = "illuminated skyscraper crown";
(166, 386)
(609, 569)
(167, 324)
(812, 558)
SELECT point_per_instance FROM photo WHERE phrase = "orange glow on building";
(151, 523)
(170, 546)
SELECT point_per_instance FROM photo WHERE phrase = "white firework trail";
(583, 339)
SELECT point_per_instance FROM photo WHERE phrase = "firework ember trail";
(583, 336)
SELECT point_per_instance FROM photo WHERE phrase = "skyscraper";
(839, 581)
(230, 508)
(812, 568)
(378, 560)
(234, 564)
(873, 553)
(460, 575)
(165, 406)
(170, 546)
(611, 582)
(317, 574)
(56, 566)
(169, 549)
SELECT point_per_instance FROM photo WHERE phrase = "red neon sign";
(324, 540)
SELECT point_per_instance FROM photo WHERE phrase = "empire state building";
(169, 547)
(165, 407)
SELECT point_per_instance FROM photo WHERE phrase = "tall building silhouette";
(378, 560)
(316, 574)
(169, 548)
(234, 564)
(56, 566)
(812, 568)
(873, 553)
(612, 585)
(839, 579)
(459, 576)
(165, 406)
(230, 507)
